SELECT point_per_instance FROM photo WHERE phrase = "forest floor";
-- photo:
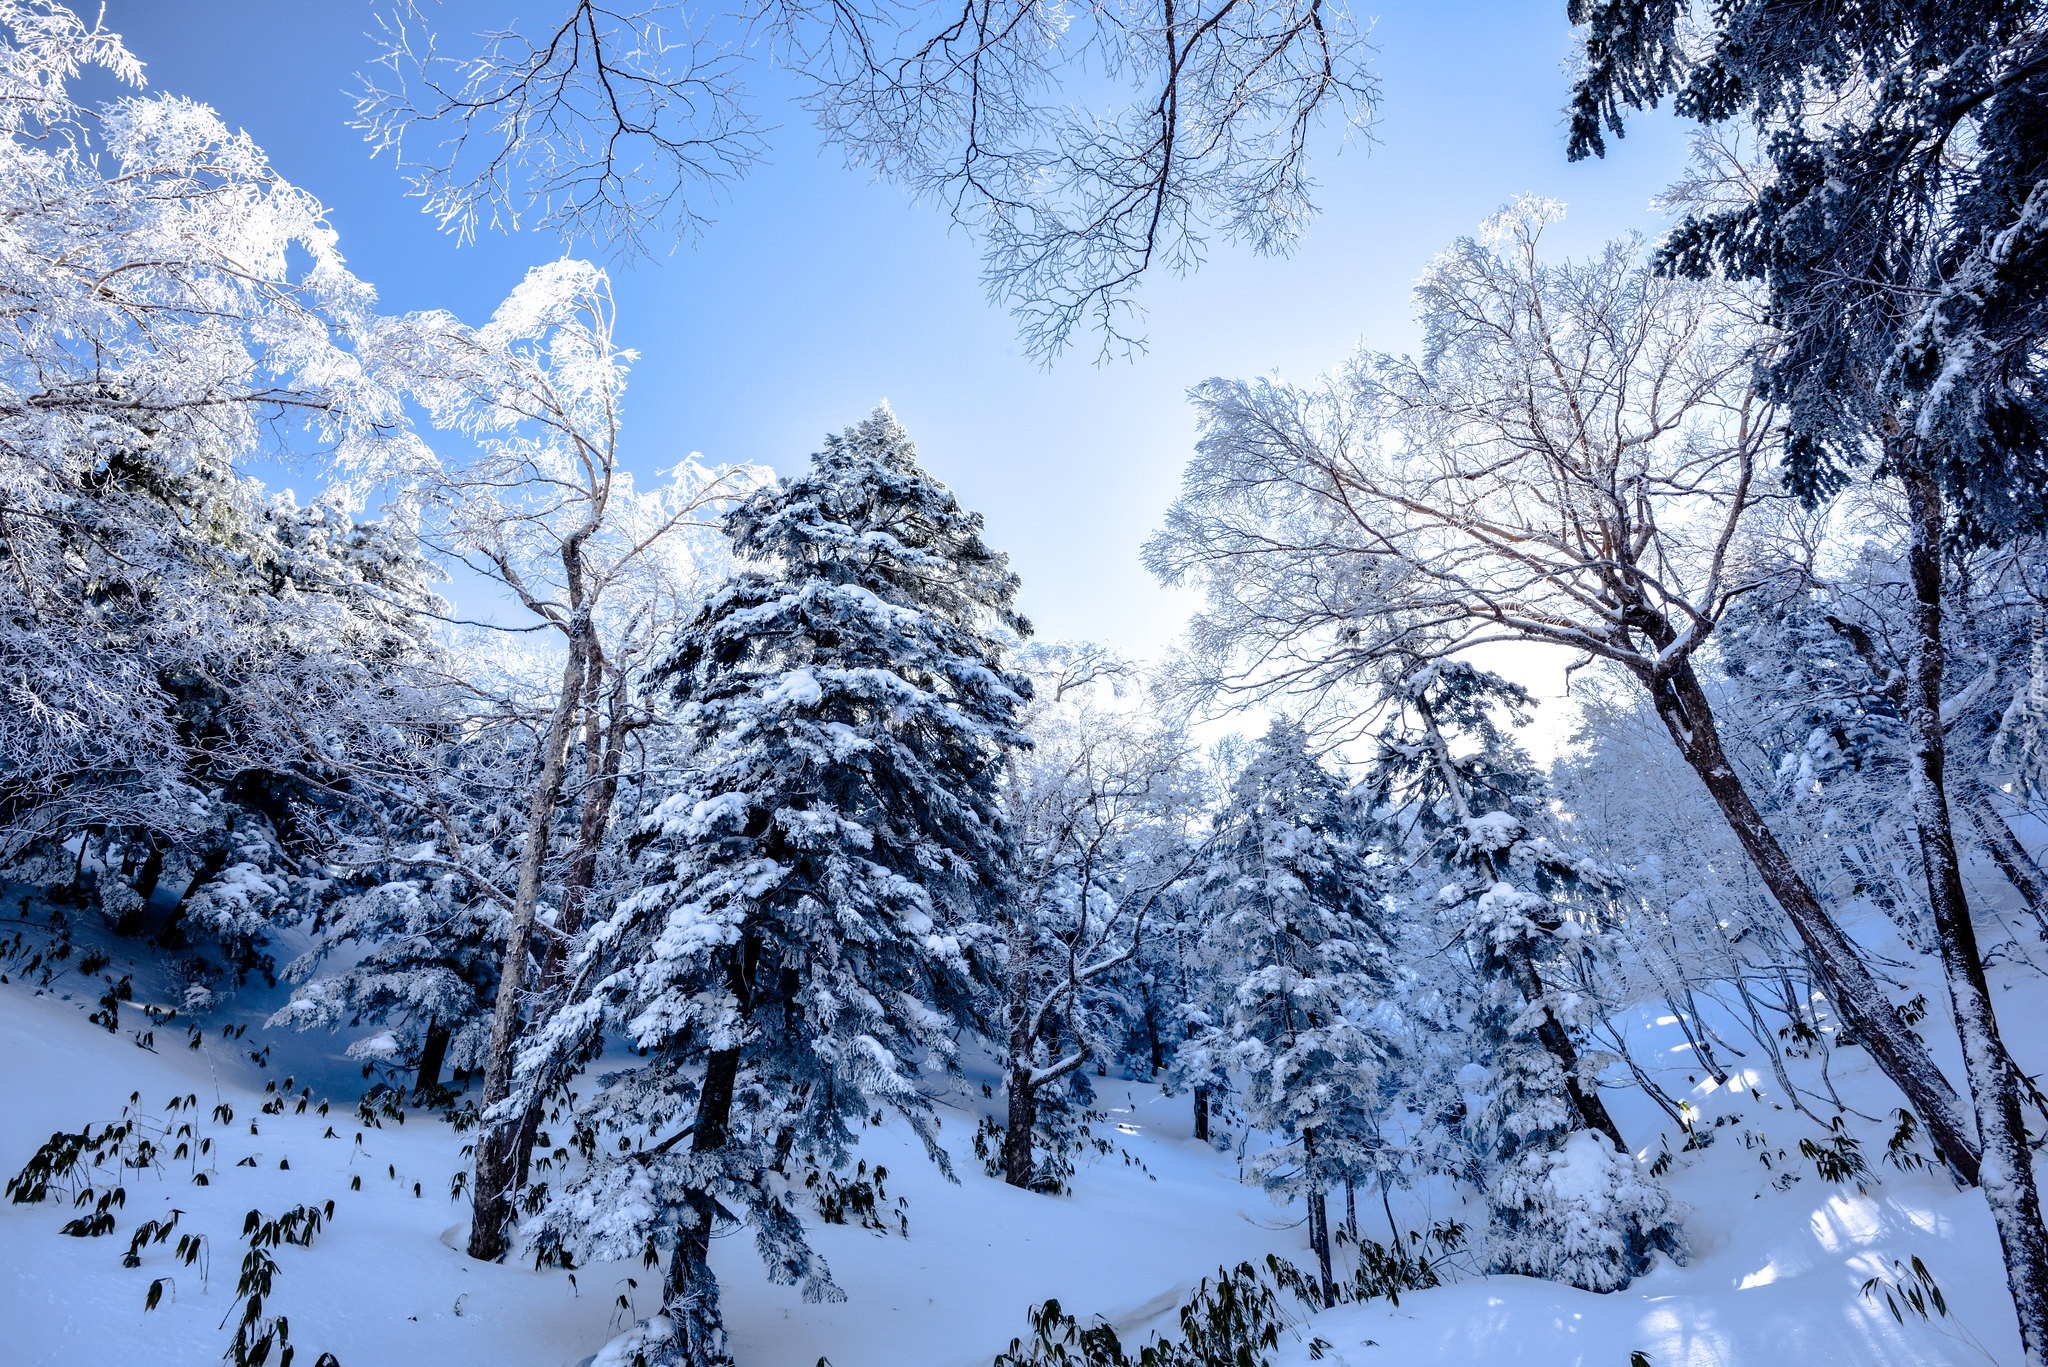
(1778, 1255)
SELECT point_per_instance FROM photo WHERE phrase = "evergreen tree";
(423, 910)
(1297, 899)
(819, 894)
(1564, 1198)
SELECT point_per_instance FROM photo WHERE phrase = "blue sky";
(818, 291)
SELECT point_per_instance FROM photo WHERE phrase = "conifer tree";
(820, 892)
(1298, 904)
(1565, 1200)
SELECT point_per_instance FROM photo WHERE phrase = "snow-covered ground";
(1774, 1276)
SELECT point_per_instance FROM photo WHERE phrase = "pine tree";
(1565, 1200)
(1297, 901)
(819, 894)
(422, 910)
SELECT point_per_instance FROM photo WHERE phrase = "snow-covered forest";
(1573, 891)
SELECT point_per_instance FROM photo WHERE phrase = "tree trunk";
(1521, 961)
(1023, 1116)
(432, 1053)
(1152, 1036)
(2004, 847)
(1318, 1216)
(1350, 1210)
(2007, 1174)
(1687, 715)
(495, 1162)
(1202, 1114)
(603, 754)
(1555, 1038)
(1023, 1096)
(690, 1291)
(170, 932)
(136, 920)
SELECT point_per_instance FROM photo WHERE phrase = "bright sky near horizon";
(818, 292)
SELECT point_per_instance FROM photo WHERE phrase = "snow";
(1773, 1279)
(1580, 1173)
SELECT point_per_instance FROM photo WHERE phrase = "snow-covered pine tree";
(1565, 1199)
(1298, 906)
(820, 893)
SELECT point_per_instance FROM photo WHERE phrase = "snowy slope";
(1773, 1279)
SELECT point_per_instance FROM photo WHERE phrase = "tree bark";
(1318, 1216)
(1021, 1094)
(169, 933)
(495, 1166)
(2007, 1173)
(1682, 705)
(1023, 1098)
(432, 1054)
(1555, 1038)
(690, 1290)
(603, 752)
(1521, 961)
(1202, 1114)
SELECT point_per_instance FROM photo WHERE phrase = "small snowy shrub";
(1580, 1213)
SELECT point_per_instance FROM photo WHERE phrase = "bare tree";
(1568, 464)
(612, 123)
(595, 128)
(1102, 803)
(546, 510)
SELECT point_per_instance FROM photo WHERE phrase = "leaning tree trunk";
(2012, 858)
(2007, 1174)
(495, 1162)
(1687, 715)
(603, 752)
(1520, 962)
(1585, 1093)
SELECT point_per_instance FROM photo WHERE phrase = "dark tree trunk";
(151, 873)
(1682, 705)
(1318, 1217)
(432, 1054)
(170, 934)
(2007, 1173)
(1023, 1099)
(690, 1291)
(136, 920)
(1202, 1114)
(1021, 1091)
(1558, 1041)
(1350, 1210)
